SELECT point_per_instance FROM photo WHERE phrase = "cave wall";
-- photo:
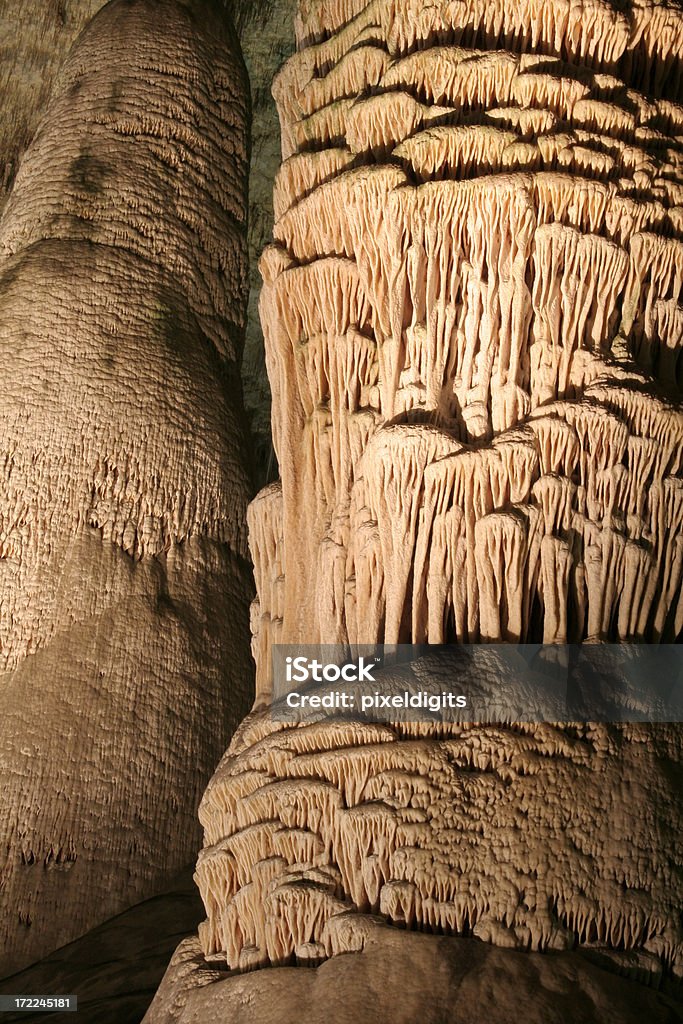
(470, 310)
(124, 572)
(540, 407)
(34, 42)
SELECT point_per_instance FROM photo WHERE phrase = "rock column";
(124, 577)
(472, 311)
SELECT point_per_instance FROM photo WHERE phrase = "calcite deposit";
(473, 327)
(124, 582)
(391, 975)
(472, 310)
(532, 837)
(35, 39)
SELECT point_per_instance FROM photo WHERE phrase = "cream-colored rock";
(507, 225)
(34, 42)
(457, 829)
(471, 313)
(124, 587)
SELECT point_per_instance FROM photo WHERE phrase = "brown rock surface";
(124, 584)
(115, 969)
(530, 836)
(470, 312)
(403, 978)
(35, 41)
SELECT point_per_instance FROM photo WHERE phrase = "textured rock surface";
(35, 39)
(528, 836)
(265, 31)
(124, 584)
(115, 969)
(502, 422)
(34, 42)
(470, 314)
(403, 978)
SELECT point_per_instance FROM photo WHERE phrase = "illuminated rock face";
(124, 582)
(473, 327)
(535, 837)
(396, 976)
(36, 41)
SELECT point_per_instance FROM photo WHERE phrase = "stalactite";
(473, 326)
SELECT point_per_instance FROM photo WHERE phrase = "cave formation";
(472, 320)
(124, 576)
(470, 311)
